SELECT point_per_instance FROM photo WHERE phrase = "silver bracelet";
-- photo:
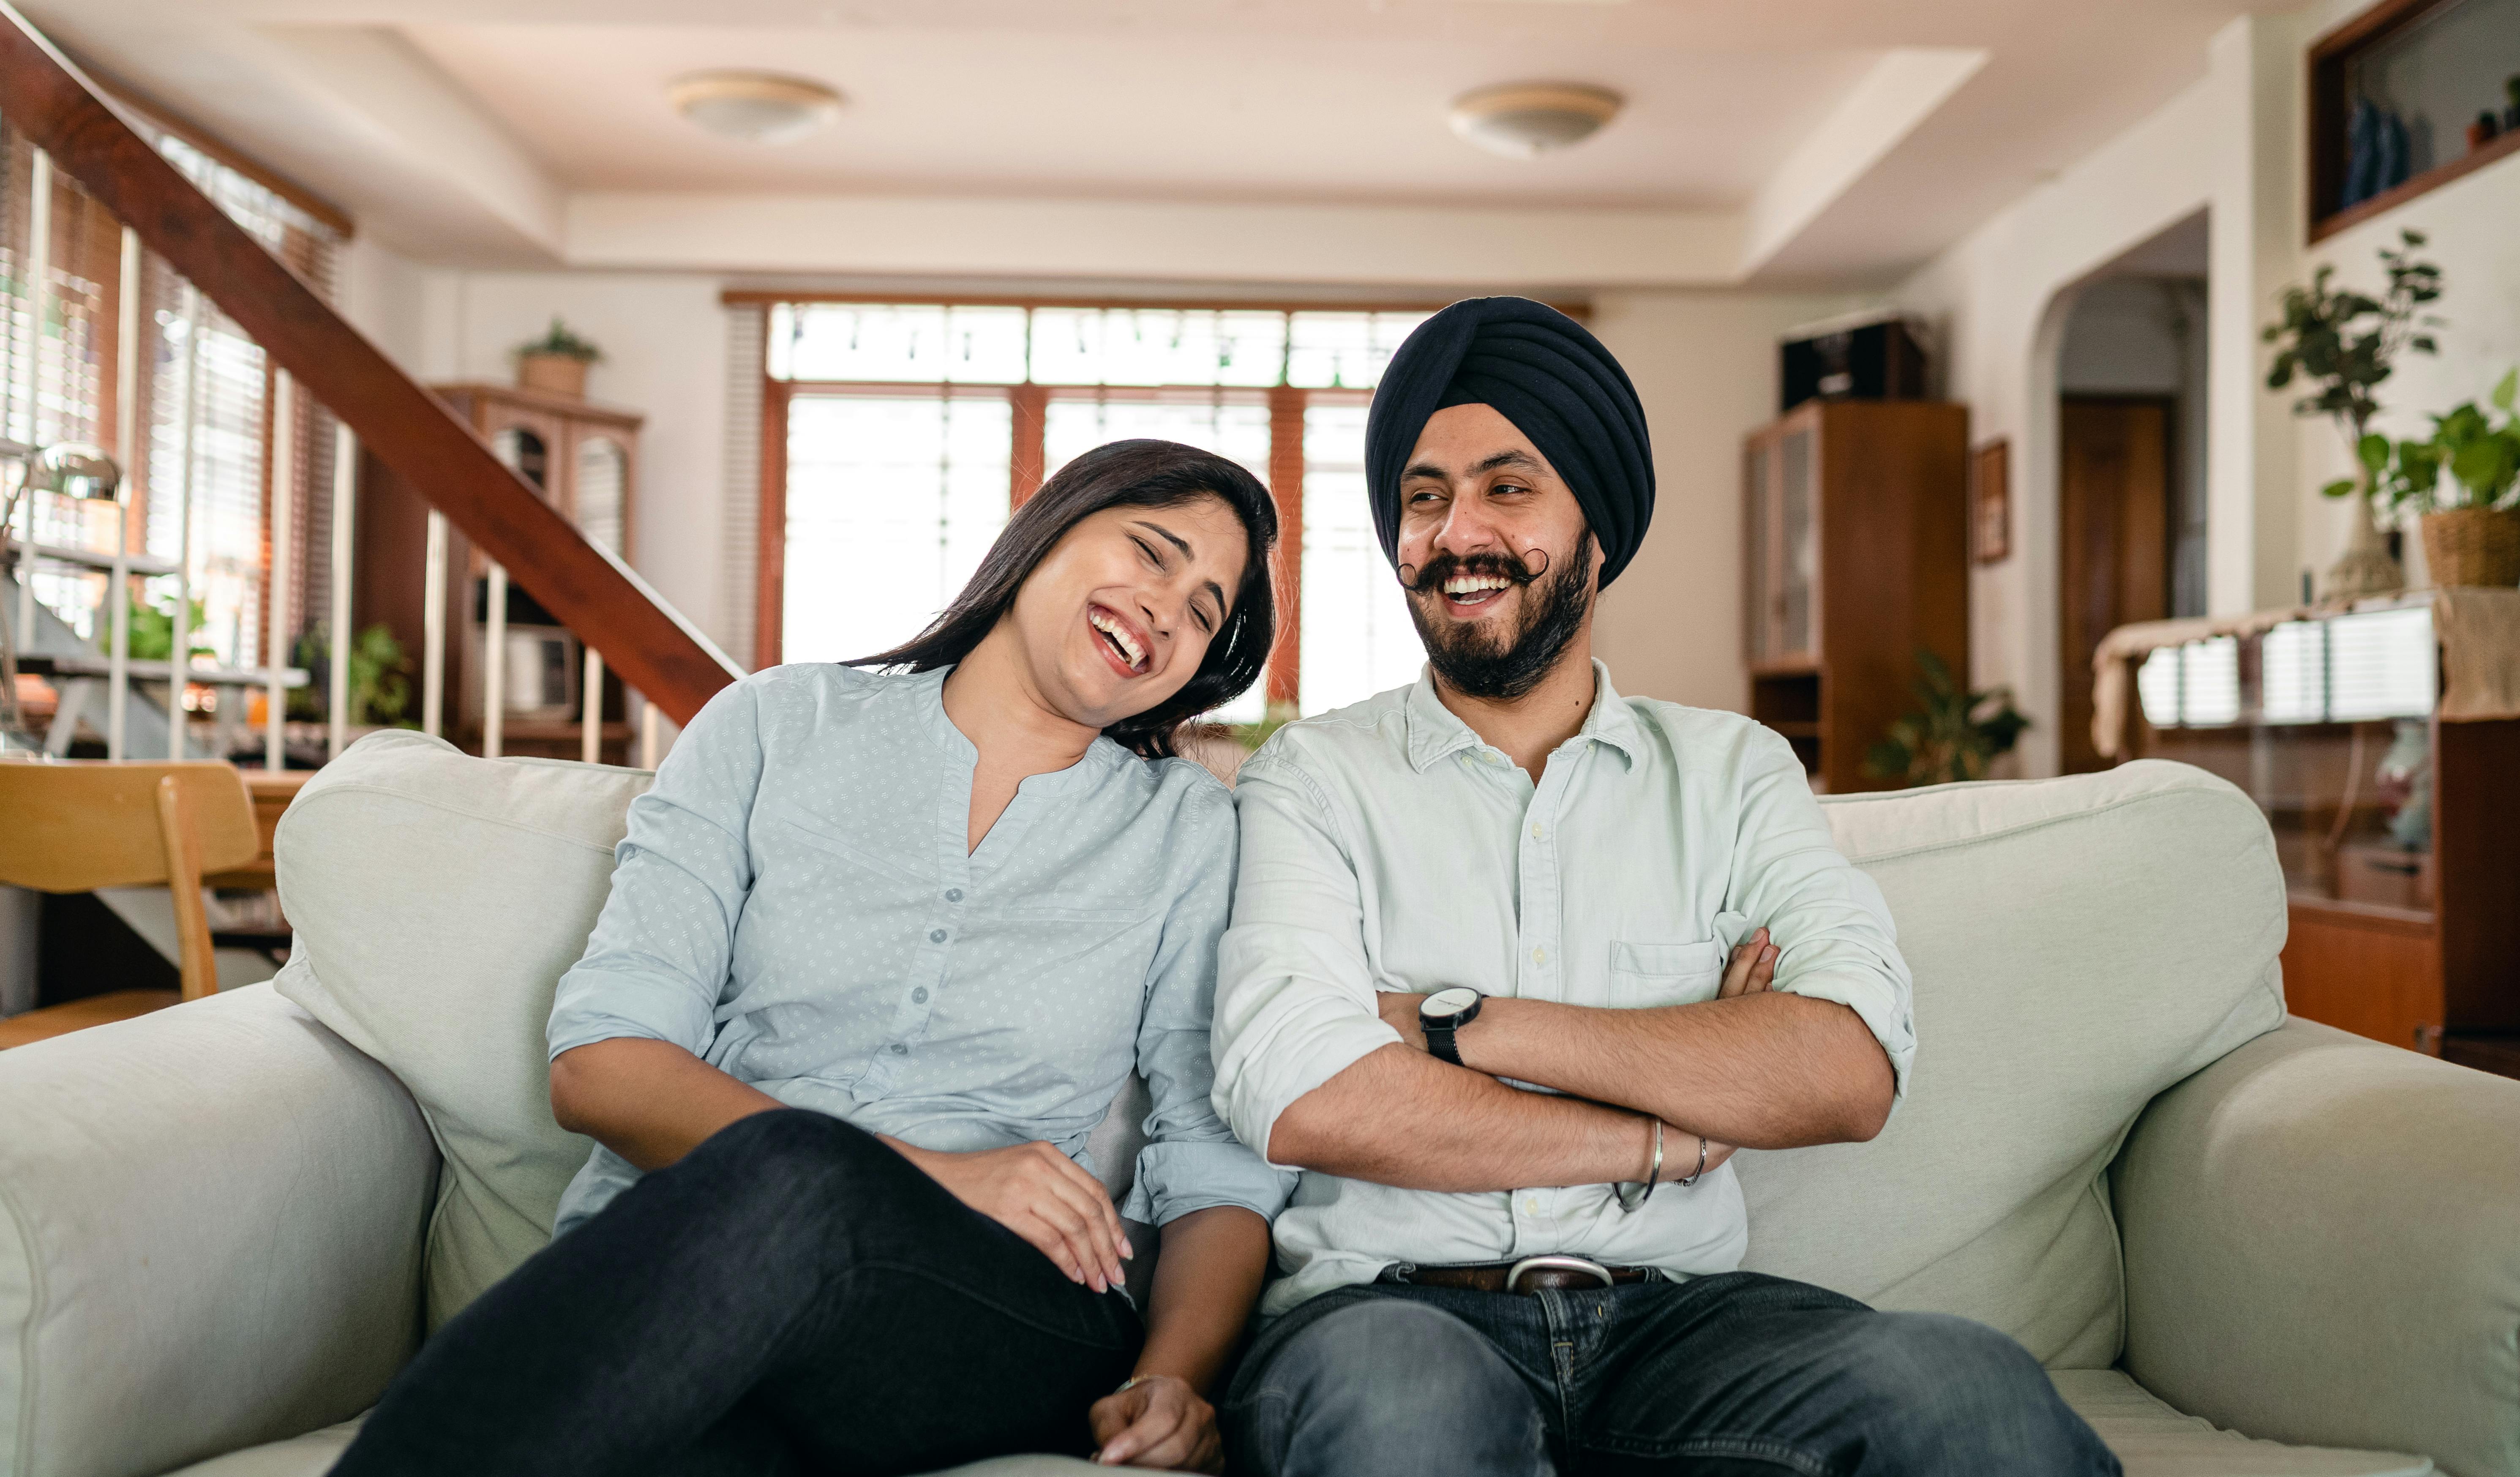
(1632, 1195)
(1701, 1164)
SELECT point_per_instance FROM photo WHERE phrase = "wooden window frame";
(1282, 684)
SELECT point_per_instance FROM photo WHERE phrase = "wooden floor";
(80, 1014)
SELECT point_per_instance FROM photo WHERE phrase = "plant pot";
(2366, 568)
(2472, 546)
(557, 374)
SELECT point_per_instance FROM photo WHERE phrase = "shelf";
(137, 563)
(1806, 666)
(2415, 920)
(1791, 729)
(2502, 146)
(138, 670)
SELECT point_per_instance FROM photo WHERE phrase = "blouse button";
(919, 996)
(899, 1050)
(935, 935)
(953, 894)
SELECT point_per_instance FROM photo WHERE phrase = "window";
(201, 473)
(910, 431)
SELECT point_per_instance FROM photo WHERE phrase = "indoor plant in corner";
(1955, 735)
(556, 362)
(2345, 343)
(2462, 485)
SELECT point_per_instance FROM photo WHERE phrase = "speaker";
(1879, 358)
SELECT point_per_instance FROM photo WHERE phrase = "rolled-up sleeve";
(1193, 1160)
(658, 961)
(1831, 925)
(1294, 996)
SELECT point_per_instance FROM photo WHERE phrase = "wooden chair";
(78, 826)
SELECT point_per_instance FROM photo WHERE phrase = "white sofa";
(225, 1225)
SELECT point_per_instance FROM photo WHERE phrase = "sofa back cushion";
(437, 899)
(2079, 945)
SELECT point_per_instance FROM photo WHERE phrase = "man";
(1499, 981)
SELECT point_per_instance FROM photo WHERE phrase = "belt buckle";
(1556, 1263)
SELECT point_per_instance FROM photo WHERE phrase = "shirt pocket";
(1664, 975)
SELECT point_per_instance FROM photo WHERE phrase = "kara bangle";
(1701, 1164)
(1632, 1195)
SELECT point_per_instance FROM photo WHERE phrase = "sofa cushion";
(437, 899)
(2153, 1440)
(2078, 945)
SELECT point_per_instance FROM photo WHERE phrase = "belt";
(1528, 1275)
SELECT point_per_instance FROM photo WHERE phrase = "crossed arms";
(1754, 1067)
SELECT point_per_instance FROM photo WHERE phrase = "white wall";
(2233, 145)
(1705, 365)
(2473, 226)
(663, 336)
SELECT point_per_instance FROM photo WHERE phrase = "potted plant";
(1956, 734)
(556, 362)
(2461, 485)
(2344, 344)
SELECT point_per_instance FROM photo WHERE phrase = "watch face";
(1451, 1001)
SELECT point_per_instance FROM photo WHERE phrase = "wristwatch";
(1444, 1013)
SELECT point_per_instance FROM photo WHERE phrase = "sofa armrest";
(210, 1232)
(2322, 1246)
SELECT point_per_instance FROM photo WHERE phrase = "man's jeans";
(1735, 1374)
(792, 1297)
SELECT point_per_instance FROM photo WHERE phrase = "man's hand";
(1158, 1422)
(1751, 969)
(1041, 1195)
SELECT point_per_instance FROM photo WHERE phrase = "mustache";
(1443, 567)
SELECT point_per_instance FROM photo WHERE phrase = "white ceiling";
(1837, 140)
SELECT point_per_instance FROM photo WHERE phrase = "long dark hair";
(1121, 475)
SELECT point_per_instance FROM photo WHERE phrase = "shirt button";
(919, 996)
(1540, 956)
(935, 935)
(1535, 831)
(1531, 1204)
(899, 1050)
(953, 894)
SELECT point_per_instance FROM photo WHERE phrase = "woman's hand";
(1157, 1422)
(1041, 1195)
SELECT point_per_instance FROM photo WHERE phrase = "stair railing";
(670, 667)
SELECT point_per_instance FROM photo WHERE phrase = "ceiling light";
(755, 106)
(1524, 119)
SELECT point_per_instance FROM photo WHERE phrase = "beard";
(1502, 668)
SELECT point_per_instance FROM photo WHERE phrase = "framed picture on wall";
(1991, 501)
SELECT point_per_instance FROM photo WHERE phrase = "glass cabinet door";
(1759, 505)
(602, 480)
(1798, 562)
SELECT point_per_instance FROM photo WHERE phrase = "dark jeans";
(793, 1296)
(1720, 1376)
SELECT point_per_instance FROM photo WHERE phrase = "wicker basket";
(556, 372)
(2472, 546)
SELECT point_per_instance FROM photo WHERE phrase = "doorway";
(2115, 502)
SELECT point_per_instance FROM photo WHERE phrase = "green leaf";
(2338, 488)
(2506, 390)
(2373, 450)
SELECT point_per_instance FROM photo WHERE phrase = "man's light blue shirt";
(793, 904)
(1386, 847)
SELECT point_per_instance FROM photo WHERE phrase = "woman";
(880, 951)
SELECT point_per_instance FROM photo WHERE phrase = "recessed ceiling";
(1157, 113)
(1828, 142)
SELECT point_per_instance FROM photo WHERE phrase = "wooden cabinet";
(2394, 825)
(583, 458)
(1856, 557)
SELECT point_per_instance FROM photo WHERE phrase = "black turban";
(1540, 370)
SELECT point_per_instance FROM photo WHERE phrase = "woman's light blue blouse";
(793, 904)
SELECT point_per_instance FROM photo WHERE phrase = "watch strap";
(1440, 1043)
